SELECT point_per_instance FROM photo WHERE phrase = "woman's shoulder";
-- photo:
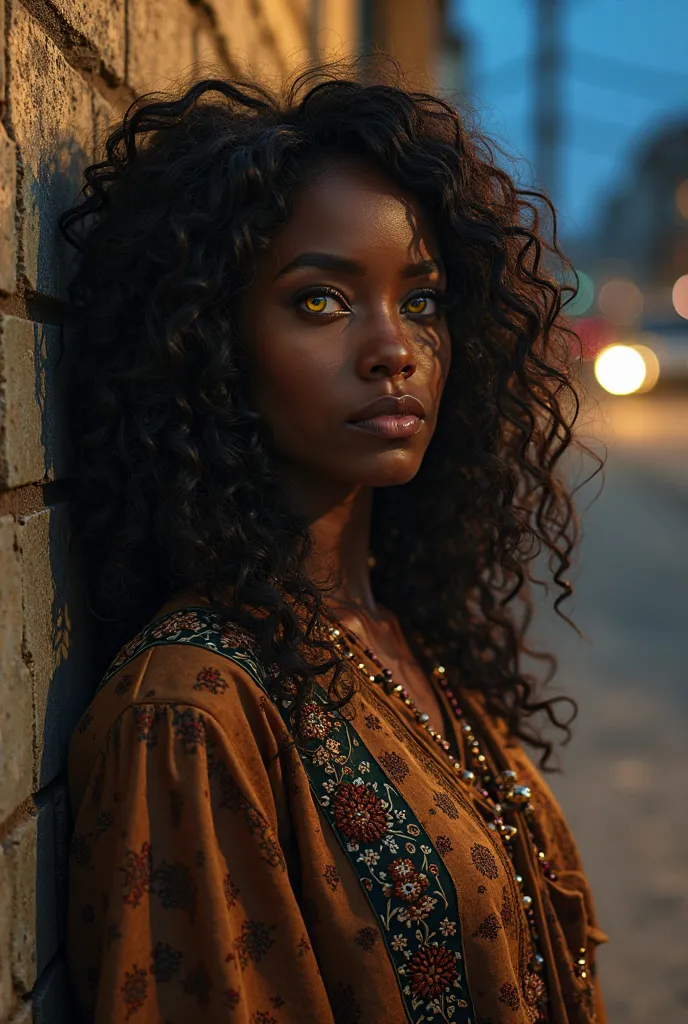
(186, 657)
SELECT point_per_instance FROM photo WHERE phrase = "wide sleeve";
(181, 907)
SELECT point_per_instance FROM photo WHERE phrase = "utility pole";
(547, 100)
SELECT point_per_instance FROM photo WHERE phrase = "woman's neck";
(340, 530)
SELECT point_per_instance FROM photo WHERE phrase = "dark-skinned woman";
(321, 393)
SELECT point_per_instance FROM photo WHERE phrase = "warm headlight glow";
(620, 369)
(651, 367)
(621, 301)
(679, 296)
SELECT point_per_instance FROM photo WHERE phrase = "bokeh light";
(584, 298)
(620, 369)
(621, 301)
(649, 357)
(682, 199)
(679, 296)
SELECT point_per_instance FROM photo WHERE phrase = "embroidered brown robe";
(219, 873)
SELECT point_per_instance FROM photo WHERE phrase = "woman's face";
(345, 310)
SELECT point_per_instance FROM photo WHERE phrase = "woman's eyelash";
(307, 293)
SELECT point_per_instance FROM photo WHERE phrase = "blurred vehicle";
(625, 361)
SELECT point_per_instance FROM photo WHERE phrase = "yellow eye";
(315, 303)
(421, 305)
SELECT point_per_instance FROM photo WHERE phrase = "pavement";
(625, 778)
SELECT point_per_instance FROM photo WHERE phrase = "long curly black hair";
(178, 484)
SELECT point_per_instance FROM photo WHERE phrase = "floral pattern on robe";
(218, 874)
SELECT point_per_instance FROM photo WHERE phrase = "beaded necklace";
(499, 791)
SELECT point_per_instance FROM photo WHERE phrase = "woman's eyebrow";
(345, 265)
(324, 261)
(423, 268)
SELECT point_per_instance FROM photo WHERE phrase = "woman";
(321, 398)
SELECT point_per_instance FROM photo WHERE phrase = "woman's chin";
(394, 469)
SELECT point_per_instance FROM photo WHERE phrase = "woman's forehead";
(355, 210)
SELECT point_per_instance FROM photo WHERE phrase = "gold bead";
(518, 796)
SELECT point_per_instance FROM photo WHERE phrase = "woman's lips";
(390, 426)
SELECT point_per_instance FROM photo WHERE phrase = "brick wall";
(69, 67)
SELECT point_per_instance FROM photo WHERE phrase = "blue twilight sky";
(605, 115)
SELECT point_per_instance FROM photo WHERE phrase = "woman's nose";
(386, 350)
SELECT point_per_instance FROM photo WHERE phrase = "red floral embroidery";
(316, 722)
(373, 722)
(231, 891)
(431, 971)
(447, 805)
(231, 997)
(126, 652)
(165, 962)
(416, 912)
(303, 946)
(277, 1001)
(408, 883)
(254, 942)
(395, 766)
(443, 845)
(80, 850)
(235, 800)
(331, 876)
(175, 622)
(263, 1017)
(233, 636)
(366, 938)
(507, 911)
(508, 994)
(123, 685)
(144, 719)
(534, 990)
(189, 728)
(175, 887)
(484, 861)
(489, 928)
(358, 813)
(134, 990)
(210, 679)
(137, 874)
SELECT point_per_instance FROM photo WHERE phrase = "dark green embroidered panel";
(402, 875)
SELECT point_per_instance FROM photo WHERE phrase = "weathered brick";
(160, 43)
(208, 55)
(102, 24)
(8, 211)
(35, 868)
(33, 437)
(20, 849)
(289, 24)
(56, 629)
(51, 118)
(105, 116)
(16, 715)
(337, 29)
(245, 36)
(23, 1015)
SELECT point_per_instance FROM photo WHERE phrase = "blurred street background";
(592, 99)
